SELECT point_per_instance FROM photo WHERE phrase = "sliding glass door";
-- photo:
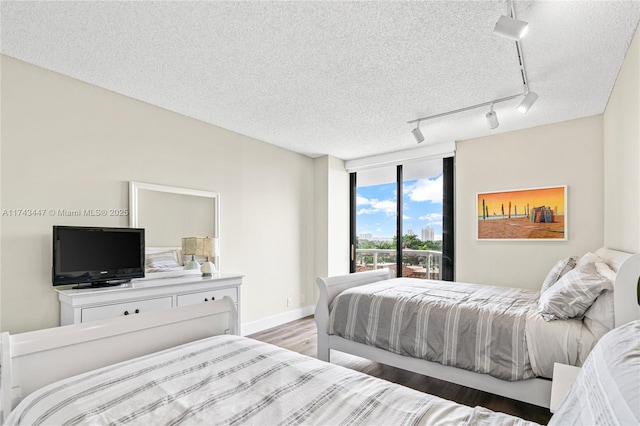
(398, 219)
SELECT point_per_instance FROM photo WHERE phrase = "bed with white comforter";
(235, 380)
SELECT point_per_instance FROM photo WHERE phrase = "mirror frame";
(134, 208)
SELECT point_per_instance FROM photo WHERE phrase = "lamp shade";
(200, 246)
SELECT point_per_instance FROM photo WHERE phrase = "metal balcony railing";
(415, 263)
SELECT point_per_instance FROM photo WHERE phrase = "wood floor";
(300, 336)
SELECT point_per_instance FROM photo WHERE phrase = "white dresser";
(90, 304)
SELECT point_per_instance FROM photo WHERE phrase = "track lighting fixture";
(417, 133)
(511, 28)
(527, 102)
(492, 118)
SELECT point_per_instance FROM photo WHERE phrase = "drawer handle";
(212, 298)
(137, 311)
(126, 312)
(206, 300)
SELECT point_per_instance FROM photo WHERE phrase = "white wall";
(566, 153)
(70, 145)
(622, 156)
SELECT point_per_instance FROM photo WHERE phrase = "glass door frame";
(448, 240)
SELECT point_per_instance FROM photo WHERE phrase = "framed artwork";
(523, 214)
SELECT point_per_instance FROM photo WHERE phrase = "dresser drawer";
(127, 308)
(206, 296)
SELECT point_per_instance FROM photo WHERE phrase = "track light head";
(511, 28)
(417, 133)
(492, 119)
(527, 102)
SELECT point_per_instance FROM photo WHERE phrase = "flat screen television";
(97, 256)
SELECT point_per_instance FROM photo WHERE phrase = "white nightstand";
(563, 377)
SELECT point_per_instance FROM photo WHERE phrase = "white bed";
(108, 372)
(535, 390)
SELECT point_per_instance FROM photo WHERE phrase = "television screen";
(96, 255)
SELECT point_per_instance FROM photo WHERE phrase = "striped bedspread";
(607, 388)
(236, 380)
(476, 327)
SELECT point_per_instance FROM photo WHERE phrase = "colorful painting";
(523, 214)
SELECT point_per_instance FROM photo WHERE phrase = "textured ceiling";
(328, 77)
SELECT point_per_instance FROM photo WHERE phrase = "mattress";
(236, 380)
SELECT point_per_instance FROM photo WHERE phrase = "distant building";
(428, 234)
(382, 239)
(368, 237)
(410, 232)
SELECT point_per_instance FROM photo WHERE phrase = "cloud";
(432, 218)
(387, 207)
(427, 190)
(360, 200)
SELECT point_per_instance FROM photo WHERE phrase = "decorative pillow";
(600, 317)
(559, 269)
(159, 262)
(588, 257)
(573, 294)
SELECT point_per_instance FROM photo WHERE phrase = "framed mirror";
(168, 214)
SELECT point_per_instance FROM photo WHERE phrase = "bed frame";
(35, 359)
(534, 391)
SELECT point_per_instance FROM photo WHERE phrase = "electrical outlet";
(289, 302)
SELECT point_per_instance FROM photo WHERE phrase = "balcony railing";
(415, 263)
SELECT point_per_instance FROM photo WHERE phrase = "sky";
(422, 207)
(553, 197)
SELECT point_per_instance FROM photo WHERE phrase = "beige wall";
(567, 153)
(331, 222)
(70, 145)
(622, 156)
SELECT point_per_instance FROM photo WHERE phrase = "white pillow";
(604, 270)
(557, 271)
(600, 317)
(163, 261)
(588, 257)
(573, 294)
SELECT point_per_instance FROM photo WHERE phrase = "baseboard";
(276, 320)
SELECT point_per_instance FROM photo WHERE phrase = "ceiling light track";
(511, 27)
(495, 101)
